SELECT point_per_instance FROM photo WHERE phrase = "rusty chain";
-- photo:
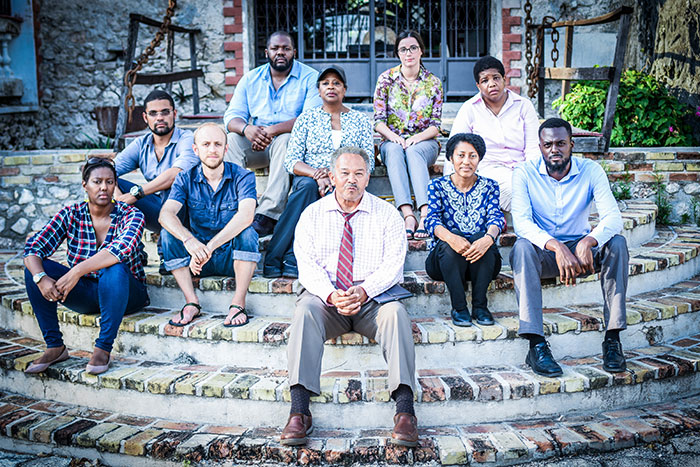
(130, 77)
(555, 51)
(528, 47)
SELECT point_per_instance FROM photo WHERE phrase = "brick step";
(575, 331)
(33, 425)
(222, 394)
(639, 223)
(669, 258)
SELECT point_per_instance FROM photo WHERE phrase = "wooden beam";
(619, 60)
(160, 78)
(607, 18)
(155, 23)
(604, 73)
(568, 46)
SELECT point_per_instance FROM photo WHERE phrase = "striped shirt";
(379, 244)
(74, 224)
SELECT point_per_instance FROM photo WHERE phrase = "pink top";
(511, 137)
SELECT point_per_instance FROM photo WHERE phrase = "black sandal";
(182, 315)
(241, 310)
(410, 233)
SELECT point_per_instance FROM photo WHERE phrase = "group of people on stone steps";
(346, 246)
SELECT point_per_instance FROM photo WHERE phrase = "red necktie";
(345, 257)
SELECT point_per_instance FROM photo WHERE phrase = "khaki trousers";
(314, 322)
(273, 200)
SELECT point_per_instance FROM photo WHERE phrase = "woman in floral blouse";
(464, 216)
(407, 113)
(317, 133)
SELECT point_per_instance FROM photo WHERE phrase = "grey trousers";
(314, 322)
(273, 200)
(412, 162)
(530, 264)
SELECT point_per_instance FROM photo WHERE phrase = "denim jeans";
(243, 247)
(115, 292)
(149, 205)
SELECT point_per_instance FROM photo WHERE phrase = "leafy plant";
(663, 215)
(646, 114)
(101, 142)
(622, 189)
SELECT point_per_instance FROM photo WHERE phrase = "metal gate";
(359, 35)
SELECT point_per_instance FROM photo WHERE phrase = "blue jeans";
(149, 205)
(115, 292)
(243, 247)
(280, 250)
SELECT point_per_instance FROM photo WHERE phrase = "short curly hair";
(471, 138)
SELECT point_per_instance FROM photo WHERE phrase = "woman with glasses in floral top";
(407, 113)
(105, 266)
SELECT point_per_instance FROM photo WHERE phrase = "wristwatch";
(136, 191)
(38, 276)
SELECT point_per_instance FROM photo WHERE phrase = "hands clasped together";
(472, 251)
(348, 302)
(199, 254)
(571, 265)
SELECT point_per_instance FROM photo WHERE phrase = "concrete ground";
(680, 451)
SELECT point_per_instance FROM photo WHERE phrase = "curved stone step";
(639, 224)
(359, 397)
(574, 331)
(671, 256)
(33, 425)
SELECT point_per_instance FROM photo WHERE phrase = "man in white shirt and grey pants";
(350, 248)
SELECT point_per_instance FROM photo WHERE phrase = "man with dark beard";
(220, 202)
(160, 155)
(260, 117)
(552, 197)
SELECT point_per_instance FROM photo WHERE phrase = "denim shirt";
(209, 211)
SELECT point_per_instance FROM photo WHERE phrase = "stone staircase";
(206, 392)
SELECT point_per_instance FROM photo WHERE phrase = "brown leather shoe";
(405, 430)
(299, 426)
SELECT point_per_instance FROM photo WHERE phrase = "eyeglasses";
(155, 113)
(413, 49)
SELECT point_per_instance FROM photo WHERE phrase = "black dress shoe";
(541, 361)
(263, 225)
(482, 316)
(271, 273)
(461, 318)
(613, 358)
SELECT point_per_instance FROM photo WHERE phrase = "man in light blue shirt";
(551, 202)
(160, 155)
(260, 117)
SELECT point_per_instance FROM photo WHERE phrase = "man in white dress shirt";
(350, 248)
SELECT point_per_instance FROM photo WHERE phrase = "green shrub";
(646, 114)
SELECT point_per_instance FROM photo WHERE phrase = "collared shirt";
(463, 213)
(379, 245)
(141, 154)
(544, 208)
(510, 137)
(408, 113)
(74, 224)
(256, 100)
(311, 140)
(208, 210)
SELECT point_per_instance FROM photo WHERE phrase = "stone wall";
(81, 61)
(34, 185)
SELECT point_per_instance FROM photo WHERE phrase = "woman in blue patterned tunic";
(317, 133)
(464, 217)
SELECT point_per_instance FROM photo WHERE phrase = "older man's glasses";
(155, 113)
(404, 50)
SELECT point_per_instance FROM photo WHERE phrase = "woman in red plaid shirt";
(105, 266)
